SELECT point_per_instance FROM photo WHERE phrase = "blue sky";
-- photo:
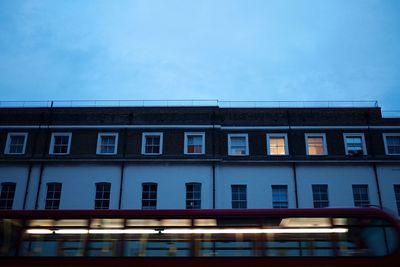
(199, 49)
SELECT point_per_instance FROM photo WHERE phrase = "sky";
(201, 49)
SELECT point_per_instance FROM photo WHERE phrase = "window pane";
(320, 196)
(149, 196)
(239, 196)
(7, 195)
(102, 200)
(360, 194)
(193, 195)
(279, 196)
(315, 145)
(238, 145)
(277, 145)
(393, 144)
(152, 144)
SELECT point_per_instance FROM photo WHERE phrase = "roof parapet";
(189, 103)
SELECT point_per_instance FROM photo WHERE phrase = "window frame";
(53, 199)
(149, 199)
(8, 143)
(325, 147)
(99, 144)
(145, 135)
(284, 135)
(102, 199)
(346, 148)
(239, 201)
(193, 199)
(246, 136)
(386, 145)
(320, 201)
(280, 186)
(52, 142)
(7, 199)
(186, 142)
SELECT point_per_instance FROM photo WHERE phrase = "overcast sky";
(217, 49)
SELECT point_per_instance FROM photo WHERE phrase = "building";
(208, 157)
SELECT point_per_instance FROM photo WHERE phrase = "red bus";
(269, 237)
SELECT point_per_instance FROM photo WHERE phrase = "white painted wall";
(15, 174)
(258, 179)
(389, 175)
(339, 179)
(171, 180)
(78, 184)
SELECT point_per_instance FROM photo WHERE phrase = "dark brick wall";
(84, 141)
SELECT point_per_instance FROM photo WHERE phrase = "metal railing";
(188, 103)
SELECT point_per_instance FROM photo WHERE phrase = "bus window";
(105, 245)
(9, 236)
(163, 245)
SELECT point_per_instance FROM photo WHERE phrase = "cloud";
(266, 50)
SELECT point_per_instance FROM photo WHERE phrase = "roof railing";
(188, 103)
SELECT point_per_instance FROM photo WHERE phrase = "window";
(107, 143)
(149, 196)
(60, 143)
(16, 143)
(354, 144)
(397, 196)
(277, 144)
(392, 143)
(102, 201)
(239, 196)
(316, 144)
(7, 196)
(279, 196)
(360, 194)
(238, 145)
(193, 195)
(53, 196)
(152, 143)
(320, 195)
(194, 143)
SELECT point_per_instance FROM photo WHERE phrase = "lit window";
(194, 143)
(7, 196)
(320, 195)
(149, 196)
(316, 144)
(360, 194)
(102, 201)
(277, 144)
(239, 196)
(53, 196)
(279, 196)
(392, 143)
(60, 143)
(107, 143)
(238, 145)
(354, 144)
(397, 196)
(16, 143)
(193, 195)
(152, 143)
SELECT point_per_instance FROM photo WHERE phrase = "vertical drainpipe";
(213, 160)
(291, 152)
(371, 149)
(28, 178)
(43, 155)
(121, 183)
